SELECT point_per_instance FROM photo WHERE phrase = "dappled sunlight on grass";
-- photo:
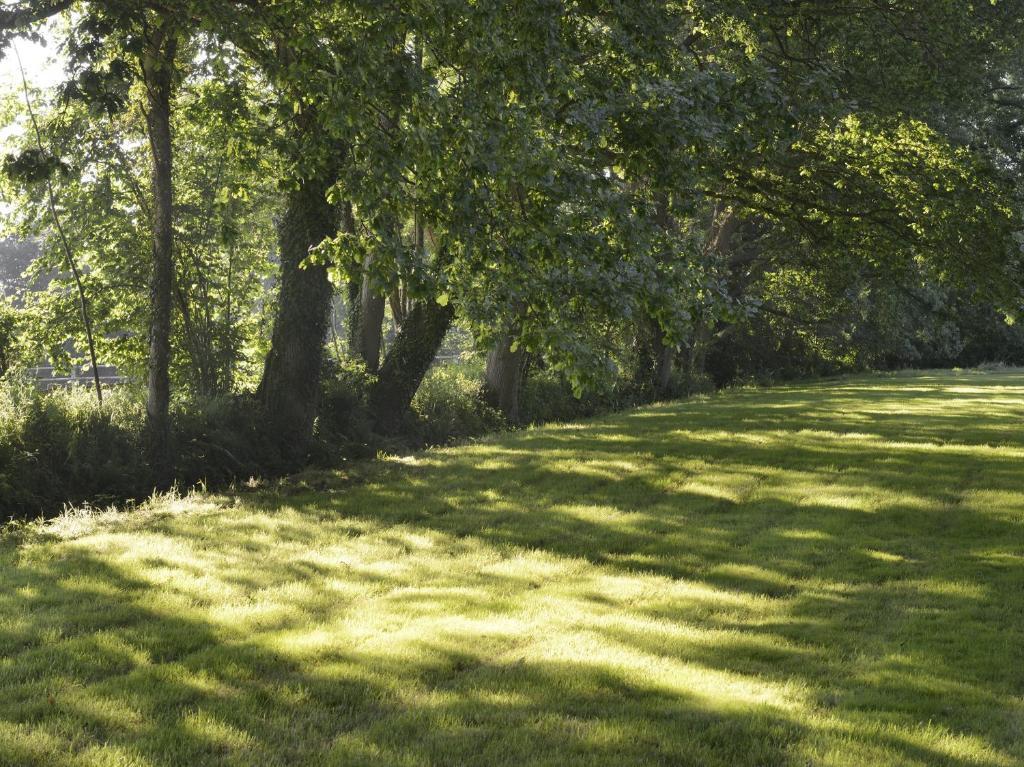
(826, 574)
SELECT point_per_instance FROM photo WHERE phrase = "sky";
(42, 68)
(41, 65)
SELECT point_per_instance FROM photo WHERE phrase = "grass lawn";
(822, 574)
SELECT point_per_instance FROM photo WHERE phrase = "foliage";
(631, 196)
(343, 429)
(450, 405)
(548, 397)
(885, 195)
(9, 353)
(225, 201)
(59, 449)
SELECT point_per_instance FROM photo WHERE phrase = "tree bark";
(158, 68)
(354, 301)
(654, 358)
(721, 244)
(371, 318)
(400, 304)
(724, 226)
(407, 362)
(696, 358)
(654, 361)
(19, 17)
(291, 377)
(664, 357)
(504, 376)
(355, 317)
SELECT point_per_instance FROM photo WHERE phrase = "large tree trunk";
(400, 304)
(354, 297)
(355, 317)
(724, 226)
(654, 361)
(373, 299)
(504, 376)
(696, 359)
(158, 67)
(664, 357)
(291, 377)
(407, 362)
(371, 318)
(654, 358)
(726, 243)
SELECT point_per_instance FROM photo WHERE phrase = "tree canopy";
(618, 195)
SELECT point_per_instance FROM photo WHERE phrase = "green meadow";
(819, 574)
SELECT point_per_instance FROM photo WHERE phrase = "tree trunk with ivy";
(654, 361)
(407, 362)
(291, 378)
(504, 378)
(158, 67)
(372, 304)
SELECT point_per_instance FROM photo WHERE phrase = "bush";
(343, 427)
(547, 397)
(219, 440)
(8, 337)
(59, 448)
(450, 405)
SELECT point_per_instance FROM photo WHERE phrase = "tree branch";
(15, 18)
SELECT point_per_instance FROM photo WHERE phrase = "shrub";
(219, 440)
(8, 336)
(59, 448)
(993, 367)
(547, 397)
(450, 406)
(343, 428)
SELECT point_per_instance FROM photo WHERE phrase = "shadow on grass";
(129, 684)
(814, 575)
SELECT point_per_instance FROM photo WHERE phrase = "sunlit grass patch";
(828, 574)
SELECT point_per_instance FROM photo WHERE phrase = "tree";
(160, 49)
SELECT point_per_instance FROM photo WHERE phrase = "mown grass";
(826, 574)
